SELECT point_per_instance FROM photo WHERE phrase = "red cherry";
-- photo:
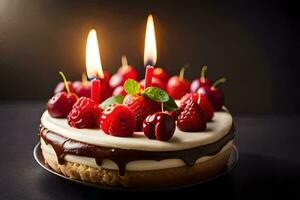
(177, 86)
(191, 119)
(84, 114)
(106, 76)
(106, 91)
(128, 72)
(155, 83)
(82, 89)
(60, 87)
(159, 126)
(125, 72)
(203, 103)
(201, 82)
(119, 91)
(161, 74)
(214, 94)
(117, 80)
(141, 107)
(117, 120)
(61, 104)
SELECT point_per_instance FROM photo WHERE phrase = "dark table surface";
(269, 164)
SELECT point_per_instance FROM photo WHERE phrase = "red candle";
(148, 76)
(93, 65)
(95, 90)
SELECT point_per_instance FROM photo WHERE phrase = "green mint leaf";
(170, 105)
(132, 87)
(156, 94)
(111, 100)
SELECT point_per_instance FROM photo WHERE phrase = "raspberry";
(117, 120)
(84, 114)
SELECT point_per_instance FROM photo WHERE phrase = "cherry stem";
(203, 70)
(221, 80)
(124, 61)
(162, 106)
(181, 73)
(65, 82)
(84, 79)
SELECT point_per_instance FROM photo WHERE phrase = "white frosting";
(140, 165)
(215, 130)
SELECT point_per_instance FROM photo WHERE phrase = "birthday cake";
(140, 136)
(159, 132)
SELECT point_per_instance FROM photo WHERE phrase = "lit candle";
(150, 52)
(93, 65)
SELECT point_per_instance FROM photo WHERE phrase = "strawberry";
(117, 120)
(84, 114)
(191, 119)
(141, 107)
(203, 103)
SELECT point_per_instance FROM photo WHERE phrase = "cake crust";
(142, 179)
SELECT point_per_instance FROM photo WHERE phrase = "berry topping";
(201, 82)
(125, 72)
(117, 120)
(84, 114)
(117, 80)
(214, 94)
(202, 101)
(161, 74)
(106, 91)
(177, 86)
(155, 82)
(82, 88)
(119, 91)
(159, 126)
(191, 119)
(141, 107)
(174, 114)
(106, 76)
(60, 87)
(61, 104)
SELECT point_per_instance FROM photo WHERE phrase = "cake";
(77, 142)
(93, 156)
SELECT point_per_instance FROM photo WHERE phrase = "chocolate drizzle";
(121, 157)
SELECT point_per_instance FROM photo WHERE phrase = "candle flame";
(150, 52)
(93, 62)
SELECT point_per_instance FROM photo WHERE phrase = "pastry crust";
(142, 179)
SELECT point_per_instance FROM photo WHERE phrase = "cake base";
(151, 178)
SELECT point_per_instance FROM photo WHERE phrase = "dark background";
(252, 43)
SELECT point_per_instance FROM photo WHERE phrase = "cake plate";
(232, 161)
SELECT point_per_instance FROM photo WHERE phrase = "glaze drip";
(121, 157)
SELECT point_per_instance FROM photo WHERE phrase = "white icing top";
(215, 130)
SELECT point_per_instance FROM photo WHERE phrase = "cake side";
(204, 168)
